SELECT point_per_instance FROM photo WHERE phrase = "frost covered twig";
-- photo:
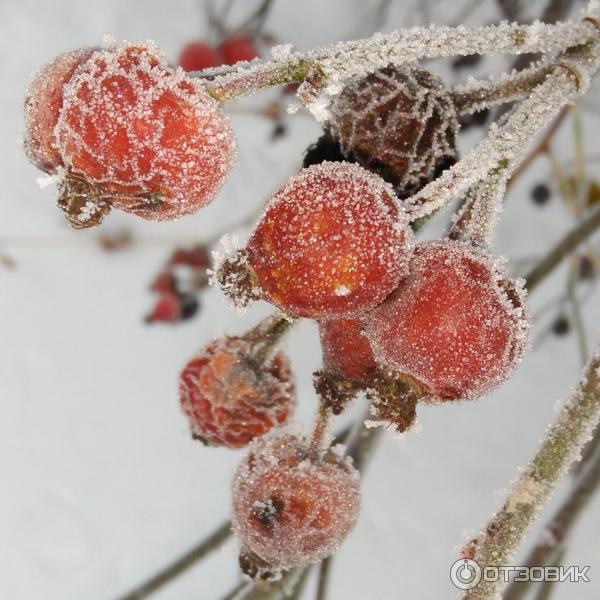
(561, 446)
(556, 531)
(475, 95)
(570, 78)
(350, 59)
(479, 214)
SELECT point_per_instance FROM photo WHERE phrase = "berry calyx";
(196, 56)
(456, 325)
(232, 393)
(399, 122)
(291, 508)
(236, 49)
(43, 103)
(332, 243)
(130, 131)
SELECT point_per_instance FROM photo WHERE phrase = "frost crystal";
(289, 507)
(152, 138)
(456, 325)
(332, 242)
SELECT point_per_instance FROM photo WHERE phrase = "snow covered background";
(101, 483)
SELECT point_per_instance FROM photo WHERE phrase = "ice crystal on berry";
(43, 102)
(230, 397)
(154, 140)
(456, 325)
(398, 122)
(289, 507)
(332, 242)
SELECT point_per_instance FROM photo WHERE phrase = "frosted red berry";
(346, 351)
(230, 398)
(456, 325)
(196, 56)
(43, 102)
(151, 140)
(290, 508)
(236, 49)
(333, 242)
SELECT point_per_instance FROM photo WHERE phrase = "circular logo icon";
(465, 574)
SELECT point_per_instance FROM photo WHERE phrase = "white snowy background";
(101, 483)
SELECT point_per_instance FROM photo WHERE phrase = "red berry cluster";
(291, 508)
(440, 321)
(199, 55)
(122, 128)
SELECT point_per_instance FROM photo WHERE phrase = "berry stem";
(266, 335)
(508, 87)
(320, 437)
(562, 446)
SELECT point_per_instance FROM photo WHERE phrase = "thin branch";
(204, 548)
(575, 237)
(329, 66)
(561, 446)
(323, 582)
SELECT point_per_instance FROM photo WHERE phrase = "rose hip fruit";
(236, 49)
(151, 140)
(196, 56)
(333, 242)
(230, 398)
(289, 507)
(399, 122)
(456, 325)
(346, 351)
(43, 102)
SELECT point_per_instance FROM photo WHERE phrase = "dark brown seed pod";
(398, 122)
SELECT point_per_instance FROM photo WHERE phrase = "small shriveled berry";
(399, 122)
(346, 351)
(230, 397)
(152, 141)
(43, 102)
(291, 508)
(456, 324)
(332, 243)
(196, 56)
(236, 49)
